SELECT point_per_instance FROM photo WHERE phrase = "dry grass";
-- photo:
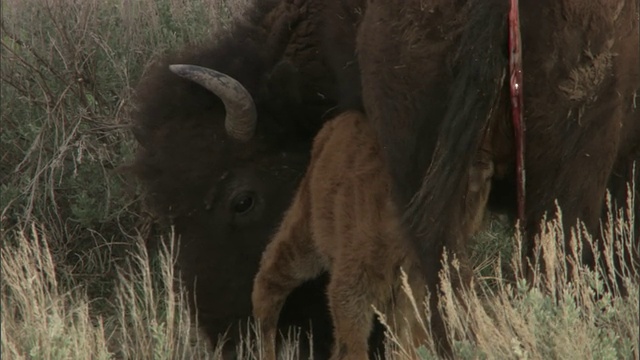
(77, 281)
(569, 311)
(44, 318)
(565, 313)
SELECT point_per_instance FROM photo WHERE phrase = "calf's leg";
(288, 261)
(480, 174)
(352, 315)
(401, 314)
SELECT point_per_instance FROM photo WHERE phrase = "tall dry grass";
(77, 280)
(564, 314)
(568, 311)
(45, 318)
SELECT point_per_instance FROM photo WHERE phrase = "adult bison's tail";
(438, 212)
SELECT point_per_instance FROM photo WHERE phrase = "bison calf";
(343, 220)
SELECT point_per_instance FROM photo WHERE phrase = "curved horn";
(241, 118)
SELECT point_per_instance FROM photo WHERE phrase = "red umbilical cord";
(515, 82)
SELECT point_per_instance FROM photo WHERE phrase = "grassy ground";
(76, 278)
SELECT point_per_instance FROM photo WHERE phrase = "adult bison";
(435, 85)
(221, 152)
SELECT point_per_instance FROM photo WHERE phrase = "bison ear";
(284, 83)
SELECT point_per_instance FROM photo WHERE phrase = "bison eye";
(243, 203)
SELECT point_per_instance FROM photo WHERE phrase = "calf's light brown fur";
(343, 220)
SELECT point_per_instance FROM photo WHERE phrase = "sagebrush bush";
(68, 69)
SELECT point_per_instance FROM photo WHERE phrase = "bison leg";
(476, 196)
(624, 176)
(401, 314)
(288, 261)
(478, 189)
(575, 178)
(351, 294)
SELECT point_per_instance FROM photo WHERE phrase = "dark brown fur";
(344, 221)
(194, 177)
(434, 86)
